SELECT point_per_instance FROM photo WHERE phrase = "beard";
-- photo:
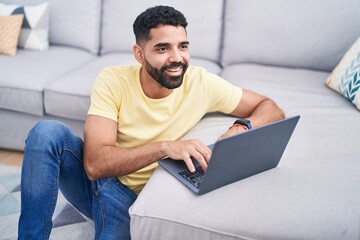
(160, 76)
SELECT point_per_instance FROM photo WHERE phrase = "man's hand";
(185, 149)
(233, 130)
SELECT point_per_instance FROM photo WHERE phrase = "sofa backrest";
(72, 23)
(299, 33)
(204, 24)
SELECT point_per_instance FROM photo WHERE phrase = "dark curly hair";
(155, 16)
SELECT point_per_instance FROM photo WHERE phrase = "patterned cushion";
(9, 33)
(345, 78)
(35, 29)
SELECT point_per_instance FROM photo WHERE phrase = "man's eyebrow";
(161, 45)
(167, 44)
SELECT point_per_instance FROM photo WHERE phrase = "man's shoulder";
(119, 73)
(192, 69)
(121, 69)
(117, 76)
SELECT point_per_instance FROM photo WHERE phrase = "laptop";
(236, 157)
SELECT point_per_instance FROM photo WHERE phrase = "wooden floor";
(10, 157)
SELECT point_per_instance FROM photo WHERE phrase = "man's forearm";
(109, 161)
(265, 112)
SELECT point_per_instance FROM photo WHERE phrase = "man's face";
(166, 55)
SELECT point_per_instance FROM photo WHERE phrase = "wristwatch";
(243, 122)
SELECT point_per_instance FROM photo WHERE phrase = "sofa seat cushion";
(23, 77)
(283, 203)
(69, 95)
(307, 189)
(210, 66)
(297, 91)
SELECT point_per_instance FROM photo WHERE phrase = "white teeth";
(173, 69)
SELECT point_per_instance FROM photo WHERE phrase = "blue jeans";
(53, 159)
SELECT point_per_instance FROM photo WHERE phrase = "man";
(137, 115)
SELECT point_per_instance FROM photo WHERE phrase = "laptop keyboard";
(194, 178)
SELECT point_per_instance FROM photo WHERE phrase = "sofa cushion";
(210, 66)
(345, 78)
(282, 203)
(77, 24)
(297, 91)
(23, 90)
(205, 39)
(35, 28)
(302, 34)
(72, 23)
(165, 209)
(10, 27)
(69, 95)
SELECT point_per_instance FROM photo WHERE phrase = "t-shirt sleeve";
(223, 96)
(105, 98)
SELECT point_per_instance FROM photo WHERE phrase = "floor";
(68, 222)
(10, 157)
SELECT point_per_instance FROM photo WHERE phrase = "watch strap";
(244, 122)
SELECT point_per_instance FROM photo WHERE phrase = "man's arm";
(102, 158)
(258, 109)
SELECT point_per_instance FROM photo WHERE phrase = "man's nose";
(175, 56)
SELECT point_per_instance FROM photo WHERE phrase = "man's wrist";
(239, 125)
(163, 148)
(243, 122)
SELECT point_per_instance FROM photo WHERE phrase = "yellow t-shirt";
(117, 94)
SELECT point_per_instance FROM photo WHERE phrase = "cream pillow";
(10, 27)
(345, 78)
(34, 33)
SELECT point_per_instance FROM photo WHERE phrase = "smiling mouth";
(175, 71)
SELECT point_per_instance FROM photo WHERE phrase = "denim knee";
(47, 132)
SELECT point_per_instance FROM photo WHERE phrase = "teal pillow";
(345, 78)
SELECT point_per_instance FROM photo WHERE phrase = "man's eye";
(162, 49)
(184, 46)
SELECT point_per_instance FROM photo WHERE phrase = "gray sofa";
(282, 49)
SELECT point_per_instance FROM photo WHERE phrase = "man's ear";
(138, 53)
